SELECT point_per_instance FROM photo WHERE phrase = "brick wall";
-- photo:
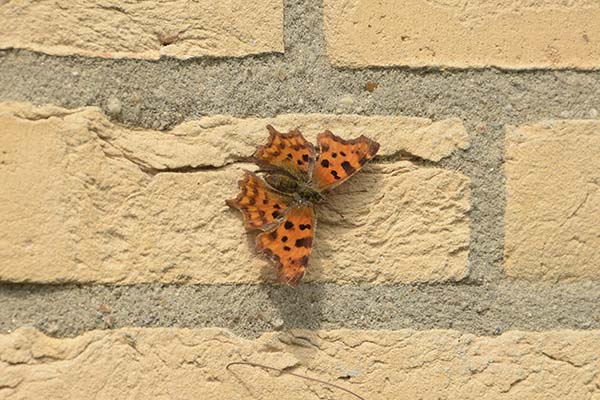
(466, 264)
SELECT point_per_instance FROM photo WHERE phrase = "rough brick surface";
(182, 364)
(456, 33)
(553, 200)
(149, 29)
(220, 140)
(88, 201)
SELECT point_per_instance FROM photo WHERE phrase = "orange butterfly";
(295, 177)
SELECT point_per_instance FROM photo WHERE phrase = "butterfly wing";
(262, 207)
(290, 243)
(288, 151)
(339, 159)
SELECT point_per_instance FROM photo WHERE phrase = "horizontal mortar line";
(285, 59)
(289, 59)
(250, 62)
(522, 115)
(69, 310)
(520, 118)
(84, 63)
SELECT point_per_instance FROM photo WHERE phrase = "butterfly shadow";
(297, 307)
(299, 310)
(304, 309)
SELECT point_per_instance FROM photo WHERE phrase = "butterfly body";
(292, 186)
(293, 178)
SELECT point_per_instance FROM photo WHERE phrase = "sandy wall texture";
(465, 265)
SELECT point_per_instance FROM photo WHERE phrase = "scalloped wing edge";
(235, 203)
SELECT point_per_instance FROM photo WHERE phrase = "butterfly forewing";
(290, 243)
(288, 151)
(262, 207)
(339, 159)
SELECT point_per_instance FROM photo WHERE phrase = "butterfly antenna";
(283, 371)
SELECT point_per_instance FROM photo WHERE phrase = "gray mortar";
(486, 309)
(160, 94)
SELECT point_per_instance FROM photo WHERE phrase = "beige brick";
(147, 29)
(182, 364)
(463, 34)
(553, 201)
(220, 140)
(78, 205)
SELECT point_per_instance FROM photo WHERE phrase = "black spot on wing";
(288, 225)
(325, 163)
(349, 169)
(304, 242)
(304, 226)
(286, 248)
(284, 239)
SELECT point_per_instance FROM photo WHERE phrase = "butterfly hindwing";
(262, 207)
(288, 151)
(339, 159)
(290, 243)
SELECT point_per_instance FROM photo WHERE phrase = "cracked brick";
(87, 200)
(375, 364)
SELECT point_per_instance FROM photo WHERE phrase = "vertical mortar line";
(482, 163)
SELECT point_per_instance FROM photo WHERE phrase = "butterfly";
(293, 177)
